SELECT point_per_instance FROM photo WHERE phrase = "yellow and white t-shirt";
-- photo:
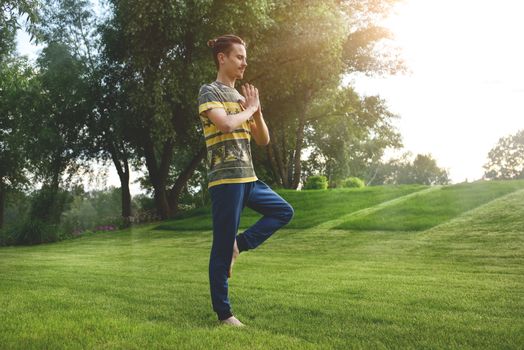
(228, 154)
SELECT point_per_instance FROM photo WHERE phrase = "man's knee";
(288, 213)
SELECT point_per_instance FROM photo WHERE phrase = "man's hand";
(258, 112)
(259, 130)
(251, 100)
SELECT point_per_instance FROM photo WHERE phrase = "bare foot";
(236, 252)
(233, 321)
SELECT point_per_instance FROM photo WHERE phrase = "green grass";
(312, 207)
(456, 285)
(429, 209)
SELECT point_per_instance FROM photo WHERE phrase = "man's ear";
(220, 57)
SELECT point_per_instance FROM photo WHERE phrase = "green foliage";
(422, 170)
(11, 14)
(81, 216)
(47, 204)
(15, 77)
(353, 182)
(5, 237)
(426, 171)
(316, 182)
(144, 202)
(80, 213)
(51, 127)
(31, 231)
(297, 88)
(96, 209)
(506, 159)
(348, 133)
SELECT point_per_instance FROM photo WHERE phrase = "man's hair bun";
(211, 43)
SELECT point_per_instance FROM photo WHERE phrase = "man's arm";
(259, 129)
(228, 123)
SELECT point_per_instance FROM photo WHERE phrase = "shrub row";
(320, 182)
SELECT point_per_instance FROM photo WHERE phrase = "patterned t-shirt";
(228, 154)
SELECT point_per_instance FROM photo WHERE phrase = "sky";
(464, 89)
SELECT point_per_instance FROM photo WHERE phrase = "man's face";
(235, 63)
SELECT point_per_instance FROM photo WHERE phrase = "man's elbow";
(263, 143)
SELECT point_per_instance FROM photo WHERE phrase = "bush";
(6, 238)
(316, 182)
(47, 204)
(33, 231)
(81, 216)
(353, 182)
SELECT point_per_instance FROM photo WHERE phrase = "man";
(229, 121)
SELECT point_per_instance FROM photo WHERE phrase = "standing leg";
(227, 203)
(277, 213)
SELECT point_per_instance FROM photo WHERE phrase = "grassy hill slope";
(311, 207)
(456, 285)
(432, 208)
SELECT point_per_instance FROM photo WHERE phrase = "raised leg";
(277, 213)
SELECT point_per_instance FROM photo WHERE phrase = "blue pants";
(227, 201)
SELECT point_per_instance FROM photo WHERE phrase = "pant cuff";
(224, 315)
(242, 243)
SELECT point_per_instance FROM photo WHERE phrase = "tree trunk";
(123, 174)
(158, 173)
(183, 178)
(51, 214)
(2, 202)
(273, 162)
(277, 151)
(297, 166)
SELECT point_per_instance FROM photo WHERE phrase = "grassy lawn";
(311, 207)
(431, 208)
(458, 284)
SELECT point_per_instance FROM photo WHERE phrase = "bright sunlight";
(465, 87)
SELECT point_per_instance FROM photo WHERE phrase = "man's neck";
(224, 79)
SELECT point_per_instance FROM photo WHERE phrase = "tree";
(10, 12)
(161, 49)
(506, 159)
(74, 24)
(15, 78)
(422, 170)
(348, 134)
(426, 171)
(54, 121)
(304, 53)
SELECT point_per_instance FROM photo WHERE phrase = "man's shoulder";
(210, 89)
(205, 87)
(218, 92)
(210, 86)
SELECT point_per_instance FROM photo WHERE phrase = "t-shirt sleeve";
(207, 99)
